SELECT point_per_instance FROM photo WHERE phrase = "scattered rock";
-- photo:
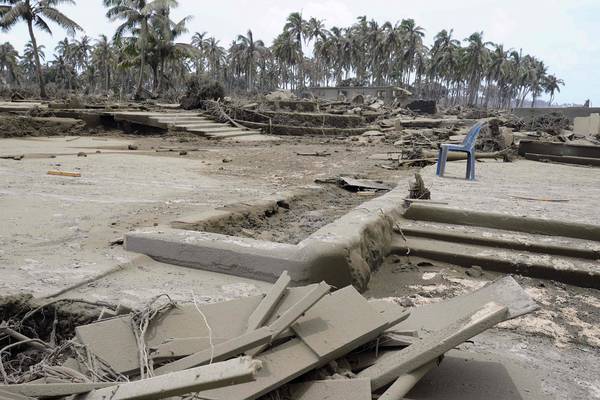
(132, 147)
(475, 271)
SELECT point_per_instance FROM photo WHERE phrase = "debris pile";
(292, 343)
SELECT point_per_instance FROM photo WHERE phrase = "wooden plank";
(337, 321)
(431, 317)
(406, 382)
(298, 309)
(46, 390)
(177, 348)
(64, 173)
(6, 395)
(269, 303)
(467, 325)
(346, 389)
(113, 341)
(281, 324)
(292, 359)
(220, 352)
(240, 370)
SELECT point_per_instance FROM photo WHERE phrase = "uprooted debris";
(553, 123)
(20, 126)
(292, 342)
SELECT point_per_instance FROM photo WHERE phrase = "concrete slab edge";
(341, 253)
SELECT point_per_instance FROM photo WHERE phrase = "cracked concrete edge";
(341, 253)
(236, 211)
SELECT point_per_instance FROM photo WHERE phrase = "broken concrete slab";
(346, 389)
(231, 372)
(433, 345)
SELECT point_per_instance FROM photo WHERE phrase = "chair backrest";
(469, 141)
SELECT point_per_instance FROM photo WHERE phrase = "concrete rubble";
(292, 342)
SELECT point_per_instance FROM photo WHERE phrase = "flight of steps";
(187, 121)
(567, 260)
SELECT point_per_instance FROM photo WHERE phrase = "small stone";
(81, 154)
(475, 271)
(183, 153)
(132, 147)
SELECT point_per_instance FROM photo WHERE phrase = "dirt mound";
(12, 126)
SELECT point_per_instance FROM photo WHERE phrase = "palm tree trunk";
(38, 64)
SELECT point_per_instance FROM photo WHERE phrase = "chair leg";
(442, 158)
(471, 166)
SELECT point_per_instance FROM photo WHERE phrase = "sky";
(565, 34)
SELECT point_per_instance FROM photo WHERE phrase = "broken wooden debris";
(355, 185)
(212, 376)
(50, 390)
(269, 303)
(6, 395)
(371, 343)
(220, 352)
(465, 326)
(346, 389)
(406, 382)
(64, 173)
(293, 313)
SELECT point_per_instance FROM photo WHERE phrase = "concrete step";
(571, 270)
(222, 128)
(182, 119)
(203, 125)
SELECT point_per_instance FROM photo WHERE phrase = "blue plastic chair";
(467, 146)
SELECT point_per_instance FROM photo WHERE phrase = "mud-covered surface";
(23, 126)
(295, 220)
(561, 340)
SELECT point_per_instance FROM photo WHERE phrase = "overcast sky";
(563, 33)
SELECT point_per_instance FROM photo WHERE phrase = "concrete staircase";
(568, 260)
(193, 122)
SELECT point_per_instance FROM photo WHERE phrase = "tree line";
(144, 56)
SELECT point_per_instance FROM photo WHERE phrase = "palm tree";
(136, 15)
(9, 62)
(103, 56)
(249, 51)
(297, 27)
(476, 57)
(413, 41)
(552, 85)
(36, 12)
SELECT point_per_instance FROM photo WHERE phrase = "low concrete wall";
(341, 253)
(569, 112)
